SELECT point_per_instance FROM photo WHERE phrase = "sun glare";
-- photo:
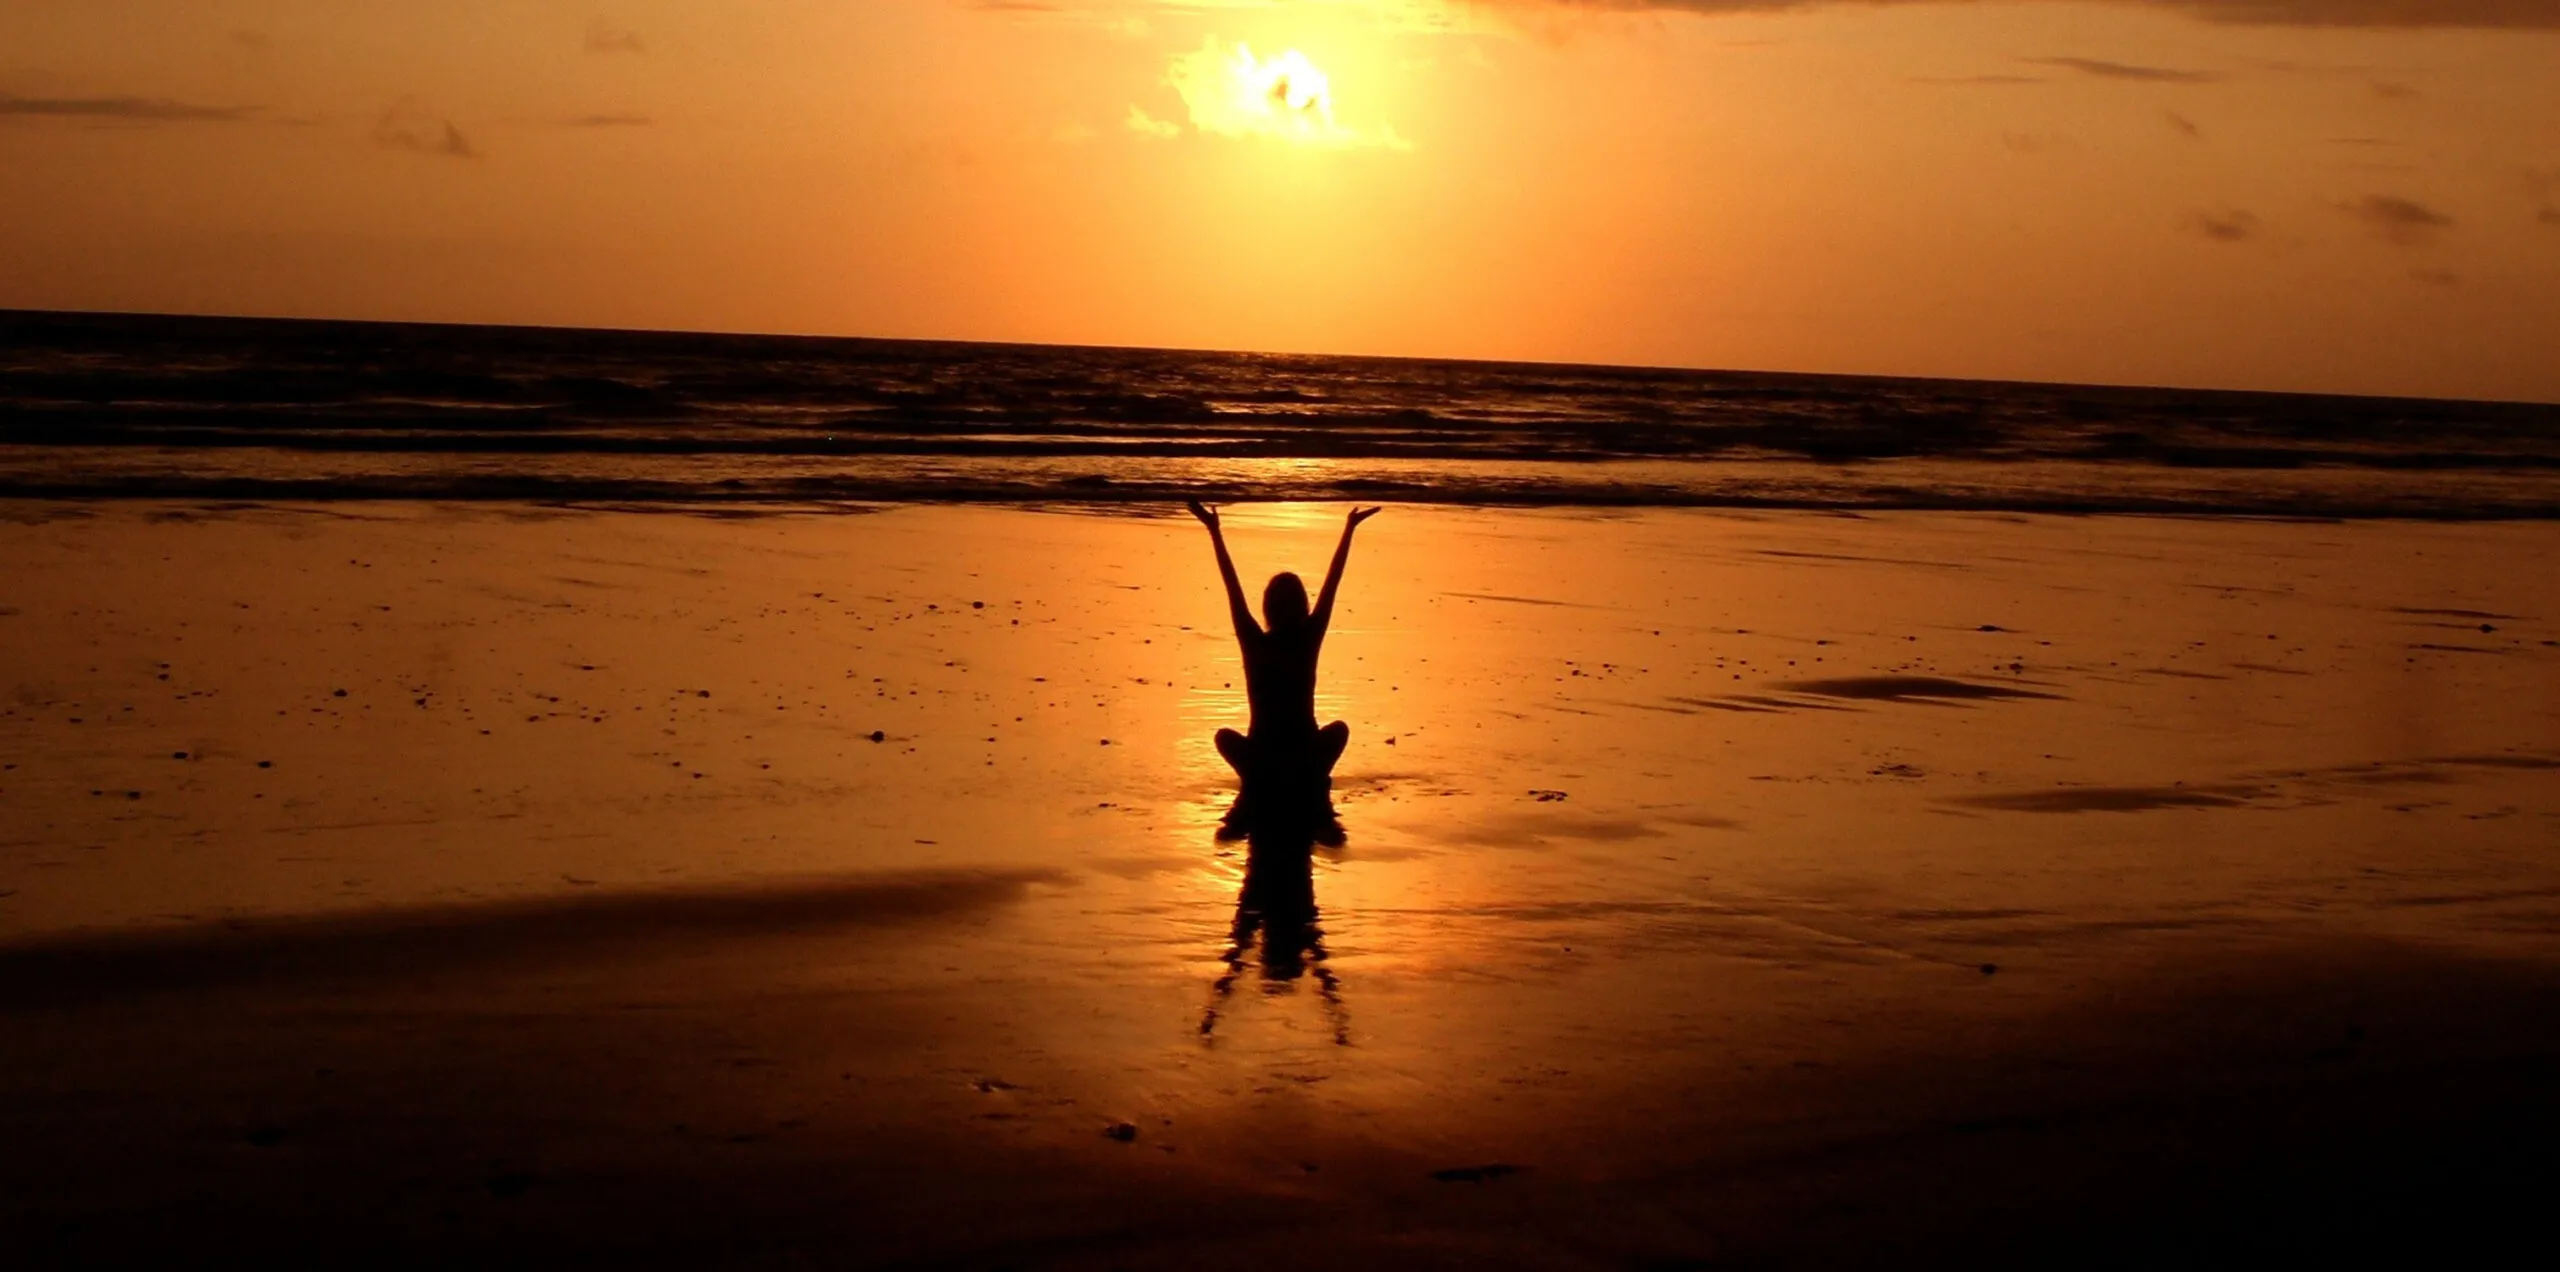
(1232, 92)
(1288, 85)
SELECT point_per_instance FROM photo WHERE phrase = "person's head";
(1284, 602)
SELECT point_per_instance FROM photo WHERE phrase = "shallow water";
(522, 878)
(1657, 717)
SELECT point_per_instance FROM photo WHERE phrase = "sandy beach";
(422, 883)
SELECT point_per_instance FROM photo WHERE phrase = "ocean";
(109, 406)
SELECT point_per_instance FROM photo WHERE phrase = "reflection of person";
(1282, 743)
(1277, 908)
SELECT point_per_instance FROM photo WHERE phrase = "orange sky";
(2355, 195)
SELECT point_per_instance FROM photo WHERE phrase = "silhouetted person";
(1283, 759)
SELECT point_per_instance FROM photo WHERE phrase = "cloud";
(1146, 125)
(2374, 13)
(2126, 71)
(2402, 14)
(604, 37)
(410, 126)
(2186, 127)
(2398, 221)
(2226, 225)
(152, 110)
(1232, 93)
(610, 121)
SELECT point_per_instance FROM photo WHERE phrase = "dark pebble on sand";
(1121, 1131)
(878, 736)
(1990, 968)
(337, 693)
(266, 764)
(177, 755)
(1991, 627)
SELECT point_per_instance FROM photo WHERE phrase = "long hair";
(1284, 602)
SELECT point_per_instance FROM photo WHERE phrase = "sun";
(1289, 86)
(1233, 92)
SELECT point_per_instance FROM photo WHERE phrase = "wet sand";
(417, 883)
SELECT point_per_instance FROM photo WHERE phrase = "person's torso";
(1280, 682)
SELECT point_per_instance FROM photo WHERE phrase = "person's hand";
(1359, 515)
(1208, 516)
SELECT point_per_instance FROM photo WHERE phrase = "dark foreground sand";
(1735, 890)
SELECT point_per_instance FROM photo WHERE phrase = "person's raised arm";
(1246, 628)
(1333, 576)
